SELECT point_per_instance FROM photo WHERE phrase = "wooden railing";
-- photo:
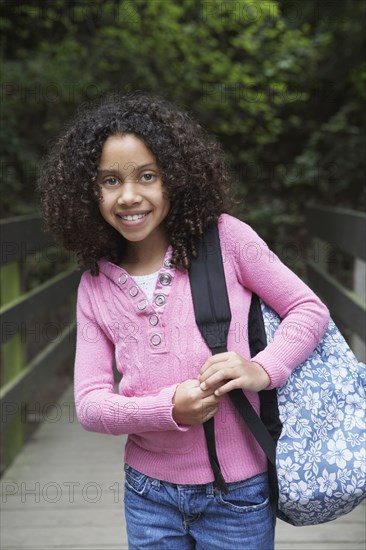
(22, 237)
(343, 230)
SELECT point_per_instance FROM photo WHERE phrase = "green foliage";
(279, 83)
(329, 165)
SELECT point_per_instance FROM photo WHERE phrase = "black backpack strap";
(213, 316)
(257, 341)
(209, 292)
(268, 398)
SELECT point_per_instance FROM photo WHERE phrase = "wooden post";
(12, 360)
(343, 229)
(320, 253)
(359, 285)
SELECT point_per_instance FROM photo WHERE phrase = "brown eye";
(111, 182)
(148, 177)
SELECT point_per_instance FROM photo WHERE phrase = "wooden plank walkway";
(65, 491)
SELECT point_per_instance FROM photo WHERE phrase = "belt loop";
(210, 489)
(155, 483)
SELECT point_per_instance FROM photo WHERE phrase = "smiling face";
(133, 201)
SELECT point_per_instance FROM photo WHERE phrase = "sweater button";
(160, 299)
(142, 304)
(155, 339)
(165, 279)
(134, 291)
(153, 320)
(122, 279)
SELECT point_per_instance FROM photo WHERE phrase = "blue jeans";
(162, 515)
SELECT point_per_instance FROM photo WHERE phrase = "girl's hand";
(192, 405)
(237, 371)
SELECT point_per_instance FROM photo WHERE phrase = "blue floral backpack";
(321, 452)
(312, 429)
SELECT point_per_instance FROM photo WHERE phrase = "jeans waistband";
(210, 487)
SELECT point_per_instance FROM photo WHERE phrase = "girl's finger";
(225, 388)
(213, 360)
(210, 371)
(215, 378)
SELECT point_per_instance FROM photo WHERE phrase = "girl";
(130, 186)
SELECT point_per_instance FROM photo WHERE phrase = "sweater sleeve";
(98, 407)
(304, 316)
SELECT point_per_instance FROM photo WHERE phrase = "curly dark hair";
(193, 170)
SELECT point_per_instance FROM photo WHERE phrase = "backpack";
(312, 429)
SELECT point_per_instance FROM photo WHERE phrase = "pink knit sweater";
(157, 346)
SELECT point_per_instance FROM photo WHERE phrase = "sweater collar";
(115, 272)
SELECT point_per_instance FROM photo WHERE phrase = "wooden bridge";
(63, 488)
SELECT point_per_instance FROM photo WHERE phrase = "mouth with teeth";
(133, 219)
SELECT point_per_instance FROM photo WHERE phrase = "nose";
(129, 194)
